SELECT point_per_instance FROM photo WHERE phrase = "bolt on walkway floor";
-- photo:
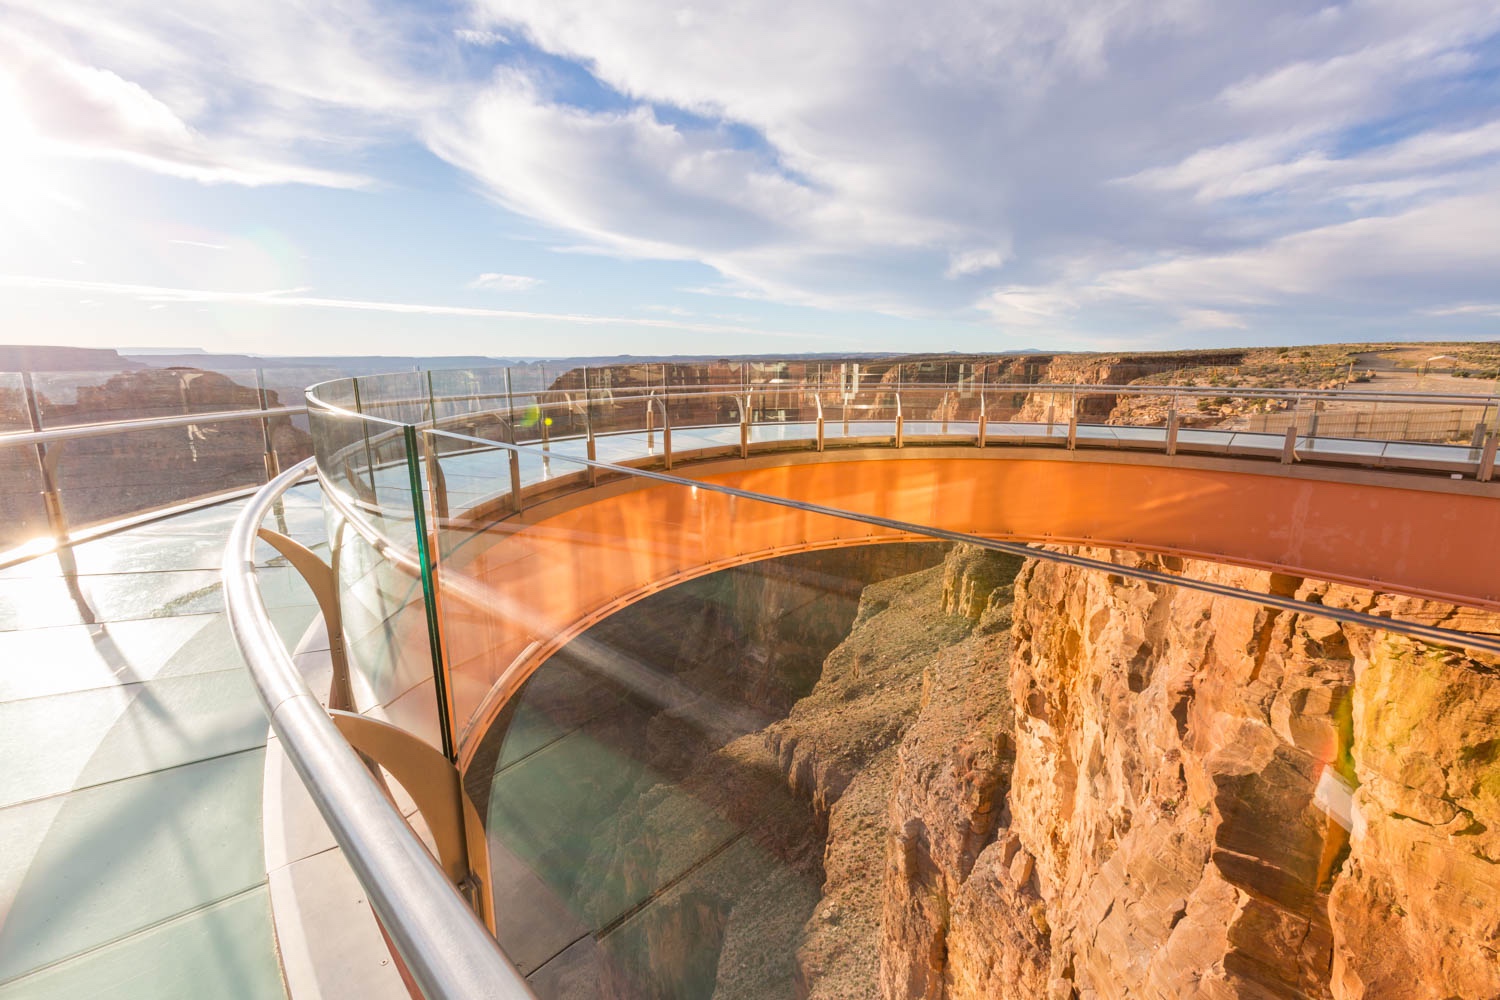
(133, 747)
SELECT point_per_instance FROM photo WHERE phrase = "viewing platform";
(462, 547)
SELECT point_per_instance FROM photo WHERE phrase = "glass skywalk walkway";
(130, 803)
(135, 742)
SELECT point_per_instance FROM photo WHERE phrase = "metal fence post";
(666, 433)
(364, 430)
(1487, 460)
(273, 463)
(1172, 424)
(818, 399)
(591, 448)
(46, 461)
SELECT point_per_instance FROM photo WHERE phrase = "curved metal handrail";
(108, 427)
(1415, 629)
(612, 394)
(446, 949)
(63, 534)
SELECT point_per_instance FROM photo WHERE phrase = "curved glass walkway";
(130, 800)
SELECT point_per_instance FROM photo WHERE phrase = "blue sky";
(563, 177)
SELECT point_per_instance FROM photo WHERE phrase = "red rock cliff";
(1177, 820)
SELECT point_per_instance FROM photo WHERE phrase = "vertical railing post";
(1289, 444)
(510, 400)
(1172, 424)
(747, 414)
(364, 430)
(1487, 459)
(666, 433)
(984, 420)
(427, 570)
(431, 402)
(944, 404)
(650, 423)
(591, 447)
(1073, 420)
(273, 464)
(818, 399)
(46, 461)
(900, 422)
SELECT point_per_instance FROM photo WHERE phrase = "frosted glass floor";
(202, 953)
(50, 601)
(130, 804)
(95, 866)
(190, 540)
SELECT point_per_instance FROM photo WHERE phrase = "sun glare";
(28, 198)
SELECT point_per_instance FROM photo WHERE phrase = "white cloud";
(1365, 264)
(1485, 309)
(505, 282)
(976, 261)
(470, 36)
(1211, 319)
(1181, 163)
(296, 298)
(216, 91)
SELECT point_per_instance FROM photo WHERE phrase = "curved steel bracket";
(320, 578)
(435, 786)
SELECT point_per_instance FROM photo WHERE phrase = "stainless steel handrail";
(105, 428)
(1295, 445)
(1046, 553)
(447, 950)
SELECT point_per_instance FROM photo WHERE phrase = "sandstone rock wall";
(1017, 780)
(1167, 830)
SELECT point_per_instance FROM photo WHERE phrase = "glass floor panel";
(130, 804)
(201, 953)
(94, 866)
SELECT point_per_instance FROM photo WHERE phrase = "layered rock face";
(1175, 823)
(1021, 780)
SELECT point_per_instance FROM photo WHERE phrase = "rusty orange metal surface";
(525, 587)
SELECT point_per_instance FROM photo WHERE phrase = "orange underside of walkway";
(515, 595)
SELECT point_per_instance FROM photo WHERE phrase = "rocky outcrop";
(1180, 819)
(839, 750)
(1019, 780)
(946, 861)
(676, 838)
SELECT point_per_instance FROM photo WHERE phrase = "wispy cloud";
(1183, 165)
(505, 282)
(200, 244)
(1485, 309)
(296, 298)
(976, 261)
